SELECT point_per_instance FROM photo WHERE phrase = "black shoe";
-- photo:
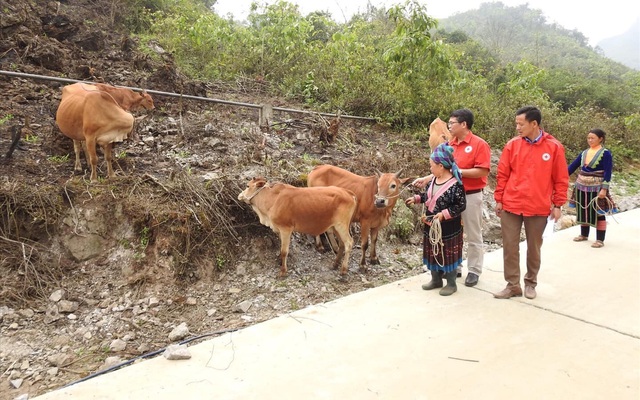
(472, 279)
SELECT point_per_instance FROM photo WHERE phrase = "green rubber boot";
(436, 281)
(451, 287)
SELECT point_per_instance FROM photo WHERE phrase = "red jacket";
(532, 177)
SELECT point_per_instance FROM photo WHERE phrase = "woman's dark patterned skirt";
(585, 189)
(447, 256)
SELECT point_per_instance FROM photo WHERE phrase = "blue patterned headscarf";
(443, 154)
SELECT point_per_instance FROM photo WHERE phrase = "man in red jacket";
(532, 183)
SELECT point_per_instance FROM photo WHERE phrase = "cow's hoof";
(374, 261)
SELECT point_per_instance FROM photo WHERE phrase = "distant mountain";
(520, 33)
(574, 71)
(624, 48)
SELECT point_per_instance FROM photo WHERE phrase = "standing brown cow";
(98, 115)
(377, 195)
(285, 209)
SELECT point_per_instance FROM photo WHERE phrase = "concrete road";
(580, 339)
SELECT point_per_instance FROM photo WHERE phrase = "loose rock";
(16, 383)
(56, 296)
(179, 332)
(177, 352)
(117, 345)
(243, 307)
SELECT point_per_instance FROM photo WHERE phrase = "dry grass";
(28, 215)
(190, 219)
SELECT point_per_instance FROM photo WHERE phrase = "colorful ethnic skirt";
(446, 255)
(584, 192)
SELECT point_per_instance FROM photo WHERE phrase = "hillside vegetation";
(404, 67)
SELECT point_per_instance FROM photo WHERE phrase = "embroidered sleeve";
(575, 164)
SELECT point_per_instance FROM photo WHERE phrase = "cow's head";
(389, 188)
(254, 186)
(146, 101)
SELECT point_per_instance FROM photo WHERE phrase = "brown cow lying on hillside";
(287, 209)
(438, 133)
(98, 114)
(377, 195)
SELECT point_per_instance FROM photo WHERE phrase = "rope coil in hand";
(435, 238)
(599, 210)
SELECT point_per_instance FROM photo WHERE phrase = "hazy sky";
(597, 20)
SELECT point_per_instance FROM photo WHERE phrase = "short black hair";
(531, 113)
(463, 115)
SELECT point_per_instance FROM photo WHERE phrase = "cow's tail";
(357, 202)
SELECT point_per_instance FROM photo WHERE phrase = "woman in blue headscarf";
(444, 201)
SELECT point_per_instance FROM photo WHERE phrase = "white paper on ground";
(549, 229)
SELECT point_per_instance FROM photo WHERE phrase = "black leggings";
(600, 233)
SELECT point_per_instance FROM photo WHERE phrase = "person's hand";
(602, 193)
(498, 209)
(421, 182)
(556, 213)
(410, 201)
(428, 219)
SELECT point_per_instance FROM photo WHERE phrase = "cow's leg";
(346, 244)
(319, 245)
(285, 239)
(108, 156)
(93, 157)
(364, 243)
(77, 148)
(373, 255)
(336, 247)
(331, 237)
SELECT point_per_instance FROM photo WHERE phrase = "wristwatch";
(558, 207)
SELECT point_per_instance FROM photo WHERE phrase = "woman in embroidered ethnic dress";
(444, 200)
(595, 165)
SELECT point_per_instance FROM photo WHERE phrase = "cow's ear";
(260, 184)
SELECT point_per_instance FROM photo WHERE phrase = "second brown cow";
(377, 196)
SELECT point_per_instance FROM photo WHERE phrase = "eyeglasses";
(452, 122)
